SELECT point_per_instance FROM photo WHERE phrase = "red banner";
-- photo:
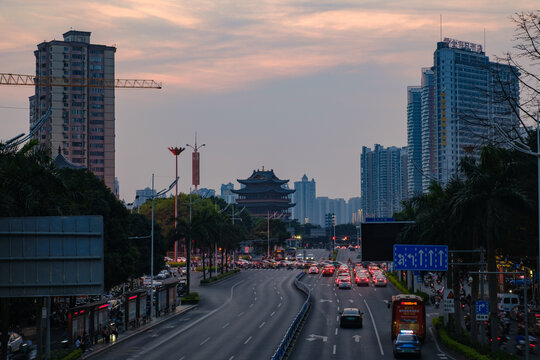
(195, 169)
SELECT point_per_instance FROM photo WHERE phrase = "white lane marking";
(437, 344)
(272, 314)
(249, 338)
(334, 350)
(231, 358)
(204, 341)
(336, 330)
(281, 298)
(251, 305)
(242, 313)
(260, 326)
(338, 308)
(187, 327)
(337, 318)
(255, 298)
(279, 305)
(224, 326)
(337, 301)
(182, 358)
(374, 326)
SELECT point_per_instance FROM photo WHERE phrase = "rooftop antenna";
(440, 26)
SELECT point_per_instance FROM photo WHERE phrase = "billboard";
(51, 256)
(378, 239)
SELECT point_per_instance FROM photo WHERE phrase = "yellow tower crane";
(18, 79)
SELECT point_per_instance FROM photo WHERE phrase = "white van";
(507, 302)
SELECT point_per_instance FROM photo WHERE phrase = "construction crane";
(32, 80)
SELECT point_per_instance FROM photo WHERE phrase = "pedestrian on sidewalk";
(105, 334)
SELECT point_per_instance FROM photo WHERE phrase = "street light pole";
(176, 151)
(152, 256)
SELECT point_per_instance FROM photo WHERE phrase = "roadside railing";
(293, 329)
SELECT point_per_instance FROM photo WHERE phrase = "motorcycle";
(520, 344)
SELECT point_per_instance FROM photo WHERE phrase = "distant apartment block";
(414, 140)
(304, 198)
(227, 194)
(383, 180)
(82, 123)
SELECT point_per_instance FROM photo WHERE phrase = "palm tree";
(492, 195)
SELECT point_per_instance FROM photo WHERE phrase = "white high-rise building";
(304, 197)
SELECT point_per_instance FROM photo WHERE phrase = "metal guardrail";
(291, 331)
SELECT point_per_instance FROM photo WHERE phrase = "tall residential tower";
(82, 119)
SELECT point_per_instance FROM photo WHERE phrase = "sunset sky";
(294, 86)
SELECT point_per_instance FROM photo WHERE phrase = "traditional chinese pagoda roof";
(61, 162)
(260, 190)
(260, 177)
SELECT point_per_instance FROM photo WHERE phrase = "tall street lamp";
(154, 195)
(176, 151)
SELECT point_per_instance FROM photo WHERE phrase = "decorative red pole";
(176, 151)
(195, 168)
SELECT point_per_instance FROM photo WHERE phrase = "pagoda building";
(264, 194)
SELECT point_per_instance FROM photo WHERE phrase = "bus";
(290, 253)
(408, 313)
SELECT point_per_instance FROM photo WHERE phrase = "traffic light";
(333, 238)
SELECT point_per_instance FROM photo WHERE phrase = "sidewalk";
(98, 348)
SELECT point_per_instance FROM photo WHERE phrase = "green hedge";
(192, 298)
(220, 276)
(200, 268)
(461, 343)
(402, 287)
(176, 264)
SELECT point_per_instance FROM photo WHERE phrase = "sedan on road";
(345, 284)
(328, 271)
(350, 317)
(313, 270)
(407, 343)
(379, 281)
(362, 280)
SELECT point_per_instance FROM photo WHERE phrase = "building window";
(97, 138)
(96, 106)
(77, 144)
(96, 114)
(100, 130)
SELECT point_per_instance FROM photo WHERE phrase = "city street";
(244, 317)
(322, 337)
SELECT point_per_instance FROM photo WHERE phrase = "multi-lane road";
(246, 316)
(322, 338)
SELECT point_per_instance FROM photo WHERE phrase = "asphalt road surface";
(244, 317)
(321, 336)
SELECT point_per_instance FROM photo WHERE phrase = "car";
(328, 271)
(379, 281)
(310, 257)
(362, 280)
(313, 270)
(351, 317)
(345, 284)
(343, 277)
(407, 343)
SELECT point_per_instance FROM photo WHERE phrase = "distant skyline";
(294, 86)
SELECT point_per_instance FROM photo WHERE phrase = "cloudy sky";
(295, 86)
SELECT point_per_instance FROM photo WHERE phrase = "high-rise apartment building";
(383, 180)
(414, 140)
(304, 198)
(227, 194)
(429, 130)
(467, 103)
(82, 120)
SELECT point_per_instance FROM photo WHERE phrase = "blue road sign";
(421, 257)
(482, 307)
